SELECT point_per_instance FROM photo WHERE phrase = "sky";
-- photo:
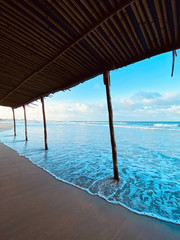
(144, 91)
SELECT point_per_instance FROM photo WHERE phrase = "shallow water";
(80, 154)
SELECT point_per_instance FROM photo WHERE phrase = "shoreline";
(101, 197)
(75, 213)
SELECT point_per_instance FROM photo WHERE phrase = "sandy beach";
(34, 205)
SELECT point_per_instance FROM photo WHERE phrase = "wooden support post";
(113, 143)
(25, 123)
(44, 120)
(14, 121)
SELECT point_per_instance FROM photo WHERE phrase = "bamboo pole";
(175, 19)
(44, 121)
(69, 20)
(68, 44)
(14, 121)
(161, 21)
(12, 11)
(145, 28)
(111, 128)
(152, 22)
(166, 20)
(25, 123)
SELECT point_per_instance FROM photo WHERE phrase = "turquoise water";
(80, 154)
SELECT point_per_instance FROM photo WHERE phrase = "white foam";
(165, 125)
(149, 165)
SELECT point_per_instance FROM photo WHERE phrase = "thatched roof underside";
(51, 45)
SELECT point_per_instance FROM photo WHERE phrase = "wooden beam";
(111, 128)
(174, 54)
(120, 6)
(44, 121)
(14, 121)
(25, 123)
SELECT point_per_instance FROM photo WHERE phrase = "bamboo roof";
(52, 45)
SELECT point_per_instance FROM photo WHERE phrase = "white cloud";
(149, 106)
(5, 112)
(147, 95)
(81, 107)
(141, 106)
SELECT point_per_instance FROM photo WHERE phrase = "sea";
(79, 153)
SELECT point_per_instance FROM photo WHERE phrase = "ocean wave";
(121, 193)
(124, 123)
(165, 125)
(149, 126)
(149, 164)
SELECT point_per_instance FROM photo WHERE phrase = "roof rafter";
(52, 91)
(120, 6)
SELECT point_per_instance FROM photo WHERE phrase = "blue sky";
(142, 91)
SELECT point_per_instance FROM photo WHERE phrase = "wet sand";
(34, 205)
